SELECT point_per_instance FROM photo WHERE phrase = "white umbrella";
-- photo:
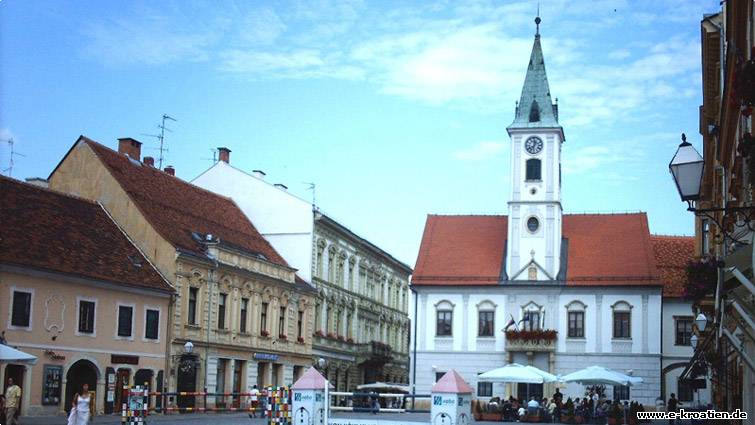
(594, 375)
(517, 373)
(383, 386)
(11, 355)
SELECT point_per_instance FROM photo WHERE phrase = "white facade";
(470, 354)
(282, 218)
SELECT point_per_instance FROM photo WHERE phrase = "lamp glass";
(701, 321)
(687, 169)
(693, 341)
(188, 347)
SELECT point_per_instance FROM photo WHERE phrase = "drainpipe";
(414, 352)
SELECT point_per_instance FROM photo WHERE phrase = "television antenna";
(13, 153)
(161, 138)
(311, 186)
(214, 156)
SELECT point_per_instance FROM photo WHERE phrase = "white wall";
(285, 220)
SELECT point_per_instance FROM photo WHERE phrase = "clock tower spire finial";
(537, 21)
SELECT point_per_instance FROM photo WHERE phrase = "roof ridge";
(88, 140)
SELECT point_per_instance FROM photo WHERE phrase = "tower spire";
(537, 21)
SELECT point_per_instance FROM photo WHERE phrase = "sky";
(394, 109)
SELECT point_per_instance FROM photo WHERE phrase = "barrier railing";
(395, 407)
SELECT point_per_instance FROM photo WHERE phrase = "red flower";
(282, 336)
(300, 340)
(265, 333)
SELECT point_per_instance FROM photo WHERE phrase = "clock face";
(533, 145)
(533, 224)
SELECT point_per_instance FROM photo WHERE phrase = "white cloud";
(619, 54)
(480, 151)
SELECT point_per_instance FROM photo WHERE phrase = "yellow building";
(247, 314)
(80, 296)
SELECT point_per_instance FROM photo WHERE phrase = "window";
(622, 324)
(621, 392)
(533, 169)
(263, 318)
(21, 312)
(86, 317)
(531, 320)
(683, 330)
(684, 390)
(318, 316)
(282, 321)
(243, 315)
(484, 389)
(300, 325)
(221, 310)
(192, 319)
(576, 324)
(443, 326)
(125, 320)
(152, 324)
(485, 322)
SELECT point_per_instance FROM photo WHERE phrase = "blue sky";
(395, 109)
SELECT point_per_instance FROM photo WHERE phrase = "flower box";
(331, 335)
(265, 334)
(350, 340)
(533, 335)
(283, 336)
(341, 338)
(300, 340)
(702, 277)
(321, 334)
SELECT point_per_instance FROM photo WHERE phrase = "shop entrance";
(80, 373)
(15, 372)
(122, 377)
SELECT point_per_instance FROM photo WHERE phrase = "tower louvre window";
(533, 169)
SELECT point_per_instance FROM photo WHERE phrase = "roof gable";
(176, 208)
(51, 231)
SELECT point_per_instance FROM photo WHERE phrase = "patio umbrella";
(516, 373)
(598, 375)
(11, 355)
(383, 386)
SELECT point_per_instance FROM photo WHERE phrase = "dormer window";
(534, 112)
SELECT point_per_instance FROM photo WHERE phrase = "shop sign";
(266, 356)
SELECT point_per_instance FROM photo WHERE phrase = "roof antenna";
(537, 21)
(311, 186)
(214, 156)
(13, 153)
(162, 137)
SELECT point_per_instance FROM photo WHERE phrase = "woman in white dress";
(80, 411)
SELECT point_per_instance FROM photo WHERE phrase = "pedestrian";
(255, 400)
(80, 407)
(12, 402)
(2, 409)
(671, 406)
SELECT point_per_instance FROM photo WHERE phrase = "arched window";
(622, 320)
(533, 169)
(486, 318)
(575, 319)
(444, 314)
(531, 316)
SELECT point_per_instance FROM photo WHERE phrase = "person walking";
(671, 406)
(80, 407)
(12, 402)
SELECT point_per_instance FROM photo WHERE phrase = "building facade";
(77, 294)
(361, 313)
(244, 309)
(725, 295)
(560, 292)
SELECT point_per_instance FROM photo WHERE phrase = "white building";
(361, 314)
(580, 289)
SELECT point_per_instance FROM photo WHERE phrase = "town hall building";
(557, 291)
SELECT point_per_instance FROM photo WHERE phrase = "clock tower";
(533, 246)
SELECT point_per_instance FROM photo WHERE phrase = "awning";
(9, 354)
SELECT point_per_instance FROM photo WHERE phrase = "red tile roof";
(47, 230)
(176, 208)
(604, 250)
(672, 254)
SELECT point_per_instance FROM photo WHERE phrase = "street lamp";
(693, 341)
(701, 321)
(321, 362)
(686, 168)
(188, 347)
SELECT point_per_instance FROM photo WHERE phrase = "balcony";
(376, 351)
(534, 340)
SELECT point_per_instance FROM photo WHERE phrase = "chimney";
(148, 160)
(259, 174)
(224, 154)
(281, 186)
(130, 147)
(170, 170)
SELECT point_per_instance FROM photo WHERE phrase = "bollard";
(451, 400)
